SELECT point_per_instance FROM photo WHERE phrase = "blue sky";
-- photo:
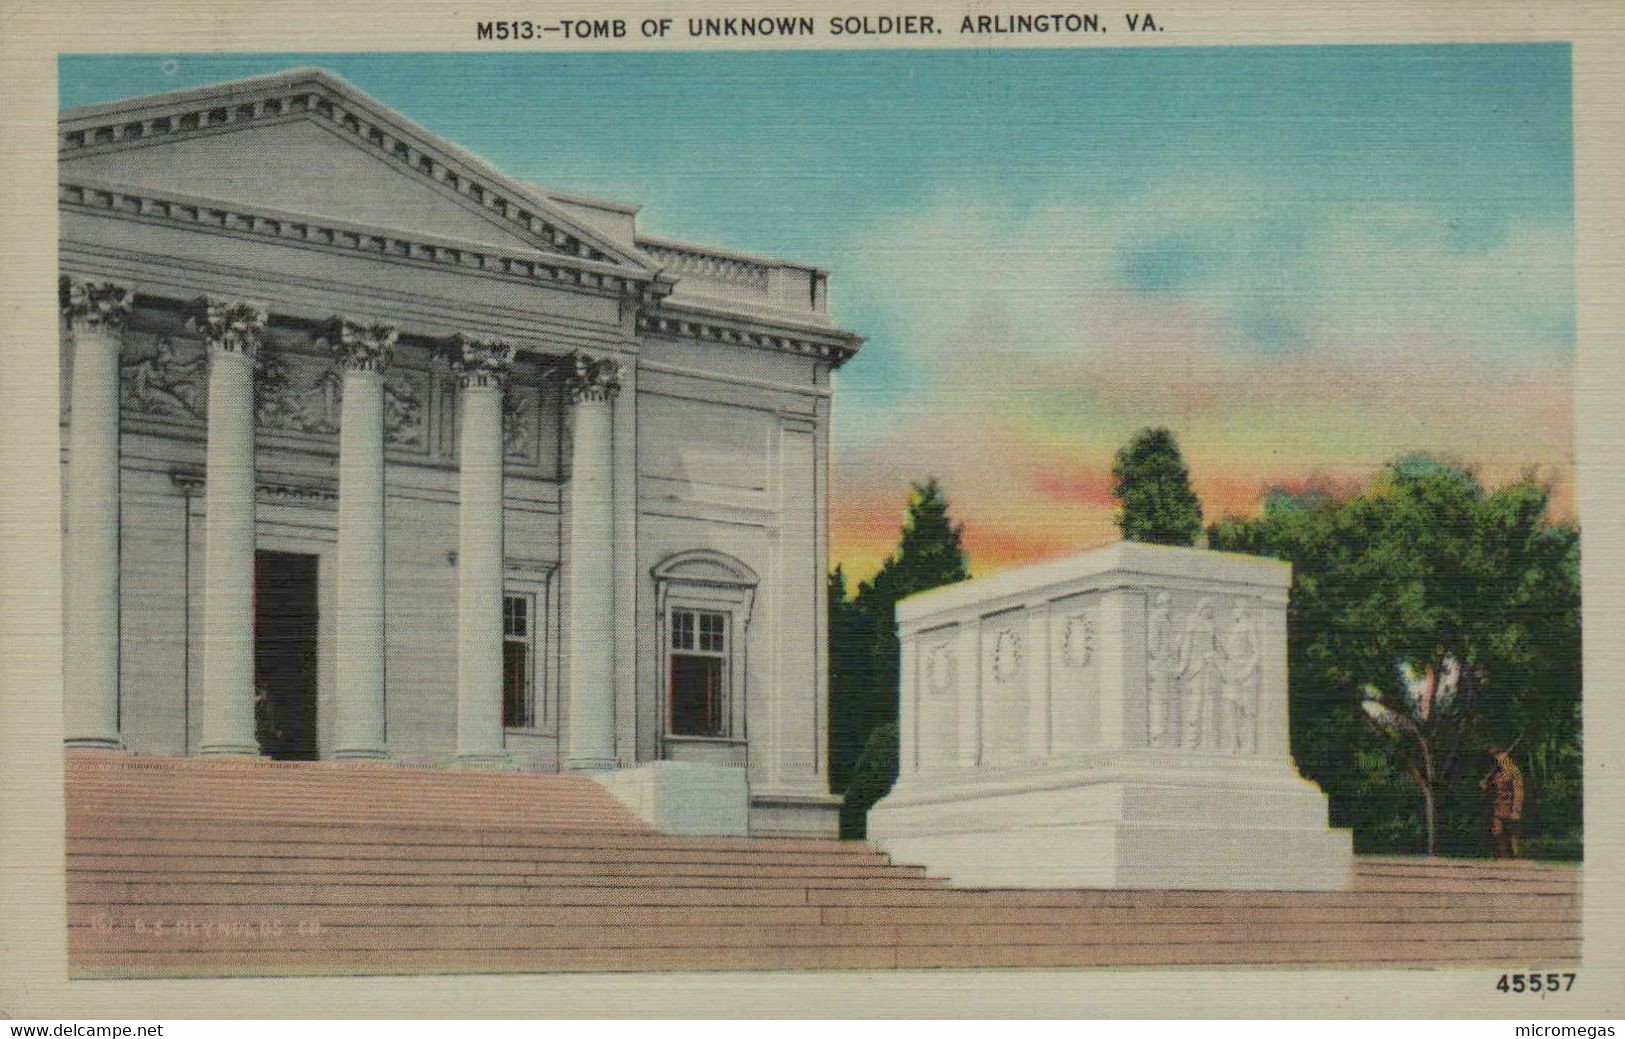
(1248, 218)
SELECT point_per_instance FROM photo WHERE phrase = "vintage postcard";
(1058, 512)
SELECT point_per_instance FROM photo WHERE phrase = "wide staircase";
(190, 867)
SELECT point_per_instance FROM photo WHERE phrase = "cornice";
(832, 346)
(320, 96)
(173, 209)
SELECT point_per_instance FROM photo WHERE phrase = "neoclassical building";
(371, 451)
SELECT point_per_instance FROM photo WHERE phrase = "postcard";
(1050, 512)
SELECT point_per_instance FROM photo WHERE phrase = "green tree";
(1155, 502)
(864, 649)
(1429, 617)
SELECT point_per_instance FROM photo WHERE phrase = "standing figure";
(1238, 699)
(1162, 655)
(1505, 783)
(1200, 659)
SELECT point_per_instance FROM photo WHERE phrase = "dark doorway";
(285, 654)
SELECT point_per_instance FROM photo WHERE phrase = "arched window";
(704, 602)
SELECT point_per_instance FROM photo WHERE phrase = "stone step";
(455, 882)
(1141, 897)
(446, 834)
(127, 849)
(251, 936)
(134, 867)
(248, 896)
(214, 963)
(125, 914)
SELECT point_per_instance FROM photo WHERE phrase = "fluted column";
(483, 366)
(590, 740)
(96, 314)
(363, 352)
(233, 331)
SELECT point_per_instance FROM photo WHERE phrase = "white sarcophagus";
(1115, 719)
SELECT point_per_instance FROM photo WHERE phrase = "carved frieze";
(406, 412)
(1204, 682)
(521, 424)
(164, 377)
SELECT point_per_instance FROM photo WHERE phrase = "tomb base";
(1145, 820)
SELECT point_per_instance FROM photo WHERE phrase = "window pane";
(516, 616)
(682, 629)
(696, 695)
(711, 628)
(516, 698)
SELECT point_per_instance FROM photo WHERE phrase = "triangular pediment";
(308, 142)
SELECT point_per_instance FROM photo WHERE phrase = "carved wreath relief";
(1006, 656)
(1202, 677)
(1078, 641)
(941, 669)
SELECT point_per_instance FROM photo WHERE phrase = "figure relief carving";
(1078, 642)
(298, 393)
(1162, 669)
(159, 381)
(519, 424)
(405, 421)
(941, 669)
(1238, 707)
(1200, 669)
(1006, 656)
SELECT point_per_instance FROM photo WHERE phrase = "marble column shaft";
(363, 352)
(233, 331)
(96, 314)
(483, 366)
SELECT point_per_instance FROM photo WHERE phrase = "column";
(363, 353)
(96, 313)
(483, 366)
(233, 331)
(589, 596)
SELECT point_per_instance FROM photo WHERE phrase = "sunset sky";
(1305, 261)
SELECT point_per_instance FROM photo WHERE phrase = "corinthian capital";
(230, 326)
(360, 346)
(94, 304)
(594, 379)
(480, 362)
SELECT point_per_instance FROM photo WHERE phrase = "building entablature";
(675, 318)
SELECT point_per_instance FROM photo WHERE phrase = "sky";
(1305, 261)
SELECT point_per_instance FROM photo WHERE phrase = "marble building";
(373, 452)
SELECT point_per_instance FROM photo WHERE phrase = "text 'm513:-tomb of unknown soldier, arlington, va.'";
(372, 452)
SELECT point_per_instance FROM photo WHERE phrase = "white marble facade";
(1114, 719)
(556, 488)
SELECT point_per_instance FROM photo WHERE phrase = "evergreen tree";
(1153, 491)
(864, 648)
